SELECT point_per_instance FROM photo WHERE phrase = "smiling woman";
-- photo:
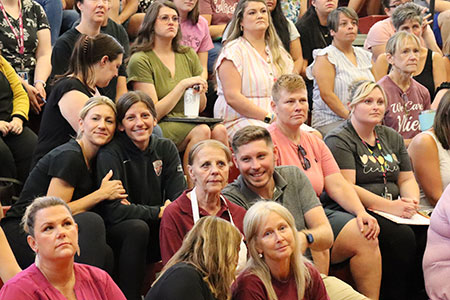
(150, 169)
(276, 268)
(66, 172)
(53, 235)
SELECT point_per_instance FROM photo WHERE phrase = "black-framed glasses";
(306, 164)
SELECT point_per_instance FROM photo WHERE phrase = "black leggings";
(16, 152)
(402, 248)
(135, 243)
(91, 238)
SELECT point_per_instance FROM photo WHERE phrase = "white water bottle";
(191, 103)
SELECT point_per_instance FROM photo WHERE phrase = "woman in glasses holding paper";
(355, 231)
(373, 158)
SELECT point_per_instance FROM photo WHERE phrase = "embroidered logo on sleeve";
(158, 165)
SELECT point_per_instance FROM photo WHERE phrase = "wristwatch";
(309, 237)
(268, 118)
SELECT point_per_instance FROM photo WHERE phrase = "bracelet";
(41, 81)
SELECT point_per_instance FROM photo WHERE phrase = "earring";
(260, 255)
(241, 28)
(78, 250)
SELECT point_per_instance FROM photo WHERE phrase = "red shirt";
(249, 287)
(177, 220)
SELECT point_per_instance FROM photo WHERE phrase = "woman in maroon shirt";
(276, 268)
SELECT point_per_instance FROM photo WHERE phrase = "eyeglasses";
(165, 19)
(306, 164)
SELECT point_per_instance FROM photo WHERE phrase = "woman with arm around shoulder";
(53, 235)
(66, 172)
(191, 272)
(373, 158)
(164, 70)
(276, 268)
(430, 156)
(95, 61)
(354, 229)
(431, 65)
(334, 68)
(252, 59)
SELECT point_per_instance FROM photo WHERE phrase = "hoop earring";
(241, 28)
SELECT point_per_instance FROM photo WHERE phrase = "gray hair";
(333, 17)
(405, 12)
(398, 39)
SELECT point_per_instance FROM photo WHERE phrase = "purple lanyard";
(19, 36)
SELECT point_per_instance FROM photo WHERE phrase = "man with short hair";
(254, 156)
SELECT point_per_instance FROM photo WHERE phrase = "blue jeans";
(212, 56)
(54, 11)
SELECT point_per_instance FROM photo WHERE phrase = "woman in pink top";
(355, 231)
(195, 31)
(53, 236)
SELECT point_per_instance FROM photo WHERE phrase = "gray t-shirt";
(292, 189)
(351, 154)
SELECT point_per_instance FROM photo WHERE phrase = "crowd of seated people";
(139, 196)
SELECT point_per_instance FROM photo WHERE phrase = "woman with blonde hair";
(252, 59)
(66, 172)
(204, 267)
(406, 97)
(373, 158)
(276, 268)
(52, 234)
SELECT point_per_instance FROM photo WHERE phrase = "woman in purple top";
(53, 236)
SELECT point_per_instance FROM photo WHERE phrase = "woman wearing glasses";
(355, 231)
(164, 70)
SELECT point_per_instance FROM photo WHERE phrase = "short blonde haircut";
(289, 83)
(212, 247)
(360, 89)
(394, 43)
(253, 221)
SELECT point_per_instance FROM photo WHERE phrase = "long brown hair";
(87, 52)
(212, 247)
(145, 40)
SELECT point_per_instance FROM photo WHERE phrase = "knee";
(90, 223)
(201, 132)
(137, 229)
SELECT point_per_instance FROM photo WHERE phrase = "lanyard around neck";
(20, 35)
(196, 211)
(380, 160)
